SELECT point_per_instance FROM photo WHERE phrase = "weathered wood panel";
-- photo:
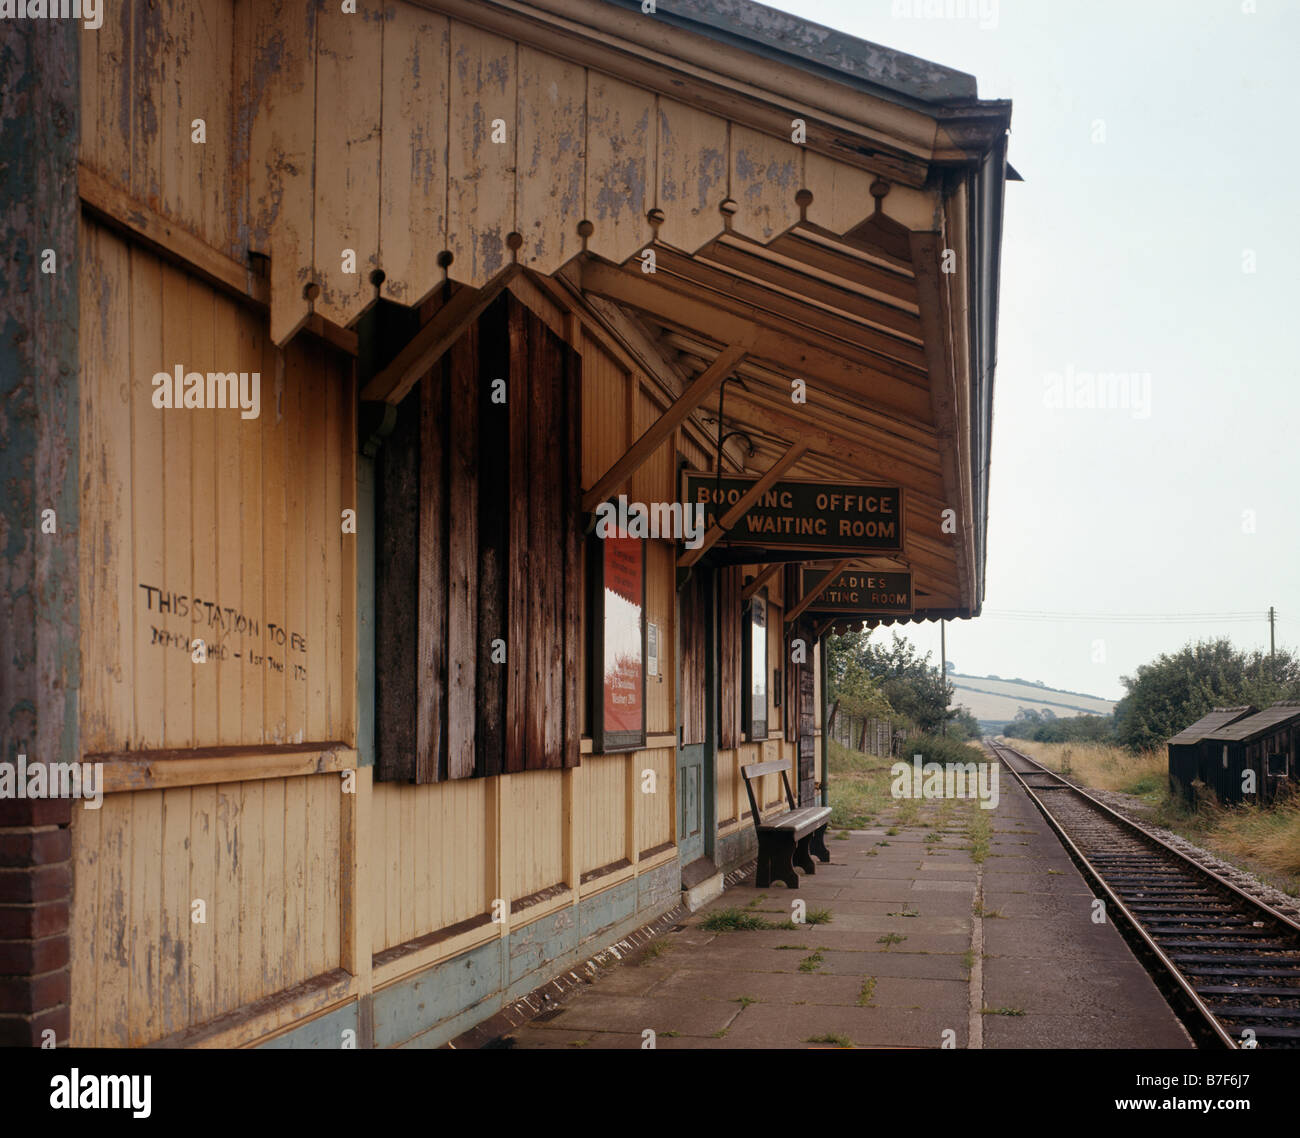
(601, 807)
(462, 566)
(654, 824)
(534, 813)
(348, 124)
(282, 170)
(766, 174)
(413, 190)
(408, 603)
(144, 967)
(481, 152)
(692, 174)
(621, 137)
(230, 497)
(443, 824)
(551, 159)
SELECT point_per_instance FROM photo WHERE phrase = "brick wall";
(35, 897)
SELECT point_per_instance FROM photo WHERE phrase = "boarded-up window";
(477, 546)
(729, 653)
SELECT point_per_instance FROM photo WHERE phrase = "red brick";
(31, 922)
(35, 847)
(39, 883)
(25, 1031)
(35, 812)
(34, 993)
(28, 957)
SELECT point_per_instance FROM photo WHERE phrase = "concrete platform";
(926, 947)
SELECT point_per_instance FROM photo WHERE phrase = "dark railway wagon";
(1185, 747)
(1265, 743)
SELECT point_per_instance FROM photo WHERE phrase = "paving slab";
(925, 946)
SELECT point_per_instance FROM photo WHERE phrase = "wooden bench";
(787, 839)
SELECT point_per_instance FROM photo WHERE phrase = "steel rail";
(1205, 1013)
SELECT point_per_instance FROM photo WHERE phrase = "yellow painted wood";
(84, 943)
(108, 590)
(348, 100)
(283, 156)
(841, 194)
(223, 669)
(172, 982)
(693, 171)
(551, 165)
(295, 874)
(252, 485)
(145, 966)
(413, 201)
(766, 173)
(620, 166)
(202, 937)
(147, 490)
(481, 184)
(114, 939)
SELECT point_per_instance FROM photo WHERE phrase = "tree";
(1175, 690)
(909, 684)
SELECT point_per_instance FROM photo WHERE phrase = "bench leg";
(763, 872)
(818, 844)
(802, 858)
(781, 854)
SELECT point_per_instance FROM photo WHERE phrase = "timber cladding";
(478, 564)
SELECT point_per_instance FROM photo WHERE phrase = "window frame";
(603, 741)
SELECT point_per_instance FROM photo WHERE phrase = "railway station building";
(341, 332)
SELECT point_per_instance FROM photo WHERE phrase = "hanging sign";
(861, 592)
(839, 517)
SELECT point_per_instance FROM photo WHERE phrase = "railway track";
(1230, 963)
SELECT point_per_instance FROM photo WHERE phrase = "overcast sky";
(1156, 143)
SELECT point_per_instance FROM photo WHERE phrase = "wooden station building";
(358, 322)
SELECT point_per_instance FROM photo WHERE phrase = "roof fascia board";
(844, 123)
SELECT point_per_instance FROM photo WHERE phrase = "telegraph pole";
(1272, 644)
(943, 671)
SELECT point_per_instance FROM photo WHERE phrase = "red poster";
(624, 663)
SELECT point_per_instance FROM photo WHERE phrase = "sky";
(1156, 237)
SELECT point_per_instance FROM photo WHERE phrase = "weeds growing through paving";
(868, 991)
(837, 1040)
(811, 963)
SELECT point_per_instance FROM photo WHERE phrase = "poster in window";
(754, 665)
(620, 643)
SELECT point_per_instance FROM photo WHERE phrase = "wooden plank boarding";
(430, 565)
(541, 500)
(494, 531)
(462, 565)
(517, 641)
(397, 607)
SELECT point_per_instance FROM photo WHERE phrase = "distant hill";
(995, 702)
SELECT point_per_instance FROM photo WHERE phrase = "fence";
(868, 734)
